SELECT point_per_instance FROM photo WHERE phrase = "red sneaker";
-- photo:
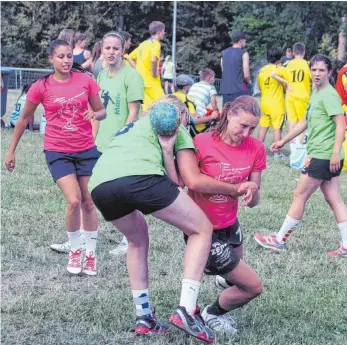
(341, 251)
(74, 265)
(89, 264)
(192, 324)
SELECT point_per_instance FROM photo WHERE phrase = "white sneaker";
(280, 155)
(121, 249)
(219, 323)
(221, 283)
(65, 247)
(61, 247)
(74, 265)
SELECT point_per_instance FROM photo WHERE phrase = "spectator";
(236, 78)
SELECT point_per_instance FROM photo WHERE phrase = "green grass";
(304, 302)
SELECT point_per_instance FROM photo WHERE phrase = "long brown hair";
(246, 104)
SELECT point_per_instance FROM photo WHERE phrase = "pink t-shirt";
(64, 105)
(225, 163)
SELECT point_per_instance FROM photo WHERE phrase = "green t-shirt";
(135, 150)
(323, 105)
(116, 92)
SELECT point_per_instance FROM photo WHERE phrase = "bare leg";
(306, 187)
(189, 218)
(89, 217)
(71, 190)
(247, 285)
(135, 229)
(262, 133)
(332, 194)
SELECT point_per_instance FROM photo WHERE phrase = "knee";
(256, 288)
(203, 229)
(73, 204)
(299, 196)
(88, 205)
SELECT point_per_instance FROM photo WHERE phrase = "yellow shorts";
(344, 147)
(273, 121)
(151, 94)
(296, 109)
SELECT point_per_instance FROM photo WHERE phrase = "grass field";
(305, 297)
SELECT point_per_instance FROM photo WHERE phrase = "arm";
(245, 64)
(214, 103)
(96, 111)
(88, 56)
(339, 139)
(154, 66)
(297, 130)
(134, 108)
(196, 181)
(26, 116)
(167, 144)
(221, 64)
(255, 177)
(283, 81)
(95, 128)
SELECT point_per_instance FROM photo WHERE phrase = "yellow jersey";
(125, 59)
(299, 78)
(188, 101)
(272, 94)
(143, 54)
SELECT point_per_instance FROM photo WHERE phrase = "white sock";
(82, 237)
(287, 228)
(142, 304)
(74, 239)
(189, 295)
(343, 231)
(90, 238)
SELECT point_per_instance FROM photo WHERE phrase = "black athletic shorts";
(320, 169)
(223, 258)
(148, 193)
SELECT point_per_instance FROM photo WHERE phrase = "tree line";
(203, 28)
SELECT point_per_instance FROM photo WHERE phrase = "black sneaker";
(145, 326)
(192, 324)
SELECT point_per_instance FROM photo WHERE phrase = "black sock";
(216, 309)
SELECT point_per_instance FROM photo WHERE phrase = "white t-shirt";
(168, 68)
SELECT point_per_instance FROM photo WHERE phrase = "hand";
(288, 88)
(248, 190)
(89, 115)
(10, 162)
(167, 143)
(335, 163)
(214, 115)
(276, 146)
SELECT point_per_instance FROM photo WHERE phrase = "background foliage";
(202, 27)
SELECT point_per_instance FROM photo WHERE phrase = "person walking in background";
(236, 78)
(326, 127)
(68, 145)
(81, 56)
(147, 57)
(271, 79)
(167, 74)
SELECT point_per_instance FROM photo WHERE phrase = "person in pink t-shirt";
(68, 145)
(228, 154)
